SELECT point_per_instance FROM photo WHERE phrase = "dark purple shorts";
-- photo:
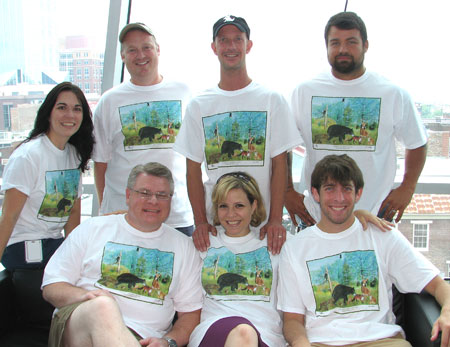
(218, 332)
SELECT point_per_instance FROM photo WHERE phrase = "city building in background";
(83, 61)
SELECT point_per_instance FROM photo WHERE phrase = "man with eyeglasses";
(119, 279)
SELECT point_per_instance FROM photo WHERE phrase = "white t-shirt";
(52, 181)
(239, 130)
(135, 125)
(239, 278)
(362, 118)
(151, 275)
(342, 282)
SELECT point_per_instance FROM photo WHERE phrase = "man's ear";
(315, 194)
(358, 195)
(213, 47)
(127, 195)
(249, 46)
(366, 46)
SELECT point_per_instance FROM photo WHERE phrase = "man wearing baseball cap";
(138, 121)
(237, 125)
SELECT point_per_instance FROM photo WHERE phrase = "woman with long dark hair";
(42, 180)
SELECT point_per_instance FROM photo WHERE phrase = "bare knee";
(86, 316)
(101, 306)
(242, 335)
(91, 319)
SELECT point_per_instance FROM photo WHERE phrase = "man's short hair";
(153, 169)
(346, 21)
(339, 168)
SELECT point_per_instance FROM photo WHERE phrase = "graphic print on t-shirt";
(242, 276)
(138, 273)
(345, 282)
(235, 139)
(61, 190)
(153, 124)
(345, 124)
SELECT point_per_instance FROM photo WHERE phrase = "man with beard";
(354, 111)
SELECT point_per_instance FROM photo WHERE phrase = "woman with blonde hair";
(239, 274)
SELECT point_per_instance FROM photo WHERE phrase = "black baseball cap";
(134, 26)
(238, 22)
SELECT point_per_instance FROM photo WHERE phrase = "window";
(7, 116)
(421, 232)
(86, 72)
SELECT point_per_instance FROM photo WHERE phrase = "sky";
(408, 39)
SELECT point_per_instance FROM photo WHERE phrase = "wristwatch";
(171, 342)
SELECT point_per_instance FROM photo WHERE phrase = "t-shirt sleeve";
(189, 295)
(408, 127)
(296, 111)
(190, 140)
(284, 133)
(66, 263)
(102, 146)
(289, 298)
(20, 173)
(409, 270)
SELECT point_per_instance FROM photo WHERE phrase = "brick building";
(426, 224)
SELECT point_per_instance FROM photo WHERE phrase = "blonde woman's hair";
(239, 180)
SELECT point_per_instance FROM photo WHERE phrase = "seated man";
(120, 278)
(335, 285)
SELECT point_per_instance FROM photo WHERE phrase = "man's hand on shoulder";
(365, 217)
(201, 236)
(276, 236)
(294, 203)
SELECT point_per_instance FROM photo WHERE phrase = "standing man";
(237, 125)
(137, 121)
(118, 279)
(335, 281)
(355, 111)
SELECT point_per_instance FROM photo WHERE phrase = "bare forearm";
(183, 327)
(441, 291)
(278, 187)
(61, 294)
(414, 163)
(13, 203)
(294, 332)
(290, 180)
(99, 178)
(74, 218)
(196, 191)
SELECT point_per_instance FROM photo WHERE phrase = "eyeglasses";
(238, 174)
(146, 195)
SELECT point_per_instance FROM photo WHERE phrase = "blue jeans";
(14, 255)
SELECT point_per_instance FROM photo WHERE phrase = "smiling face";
(337, 202)
(231, 45)
(346, 50)
(235, 213)
(65, 118)
(140, 54)
(147, 214)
